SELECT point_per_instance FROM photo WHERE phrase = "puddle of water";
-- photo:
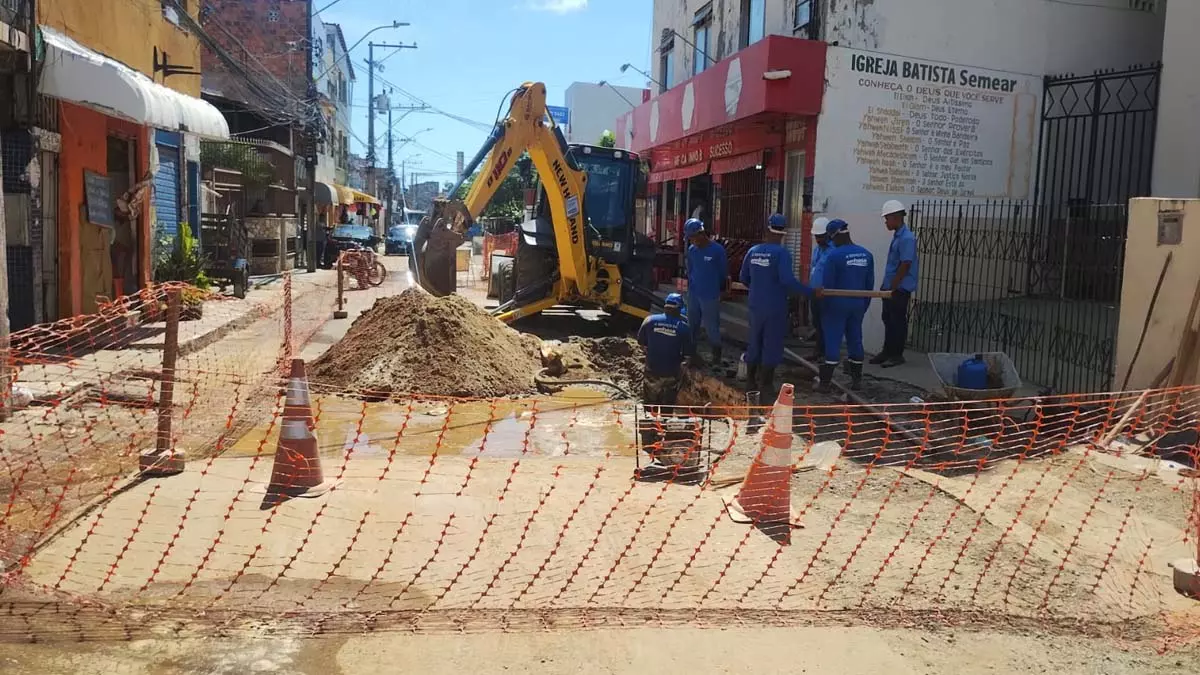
(575, 422)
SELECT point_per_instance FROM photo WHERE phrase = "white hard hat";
(893, 206)
(819, 225)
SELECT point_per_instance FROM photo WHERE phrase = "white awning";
(72, 72)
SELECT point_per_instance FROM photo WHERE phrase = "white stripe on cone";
(295, 430)
(297, 393)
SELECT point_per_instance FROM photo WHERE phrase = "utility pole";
(391, 180)
(310, 151)
(371, 110)
(5, 381)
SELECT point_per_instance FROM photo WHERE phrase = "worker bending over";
(707, 275)
(668, 341)
(850, 267)
(815, 267)
(767, 271)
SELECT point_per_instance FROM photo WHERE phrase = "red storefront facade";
(734, 144)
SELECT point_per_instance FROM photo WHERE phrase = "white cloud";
(559, 6)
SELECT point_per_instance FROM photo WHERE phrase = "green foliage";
(509, 200)
(608, 140)
(257, 171)
(181, 259)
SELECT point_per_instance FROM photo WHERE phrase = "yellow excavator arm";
(582, 278)
(527, 128)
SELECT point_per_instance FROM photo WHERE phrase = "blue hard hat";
(835, 226)
(777, 223)
(693, 227)
(674, 300)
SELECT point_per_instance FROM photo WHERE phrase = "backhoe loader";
(580, 249)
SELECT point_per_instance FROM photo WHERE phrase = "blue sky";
(470, 52)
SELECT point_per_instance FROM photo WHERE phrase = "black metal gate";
(1097, 137)
(1041, 279)
(993, 277)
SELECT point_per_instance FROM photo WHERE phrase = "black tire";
(241, 281)
(533, 265)
(377, 275)
(505, 283)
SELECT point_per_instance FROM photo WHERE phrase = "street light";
(627, 66)
(605, 83)
(394, 24)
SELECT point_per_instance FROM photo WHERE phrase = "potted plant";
(182, 259)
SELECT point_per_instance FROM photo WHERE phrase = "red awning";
(737, 163)
(682, 173)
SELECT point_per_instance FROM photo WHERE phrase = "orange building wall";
(85, 269)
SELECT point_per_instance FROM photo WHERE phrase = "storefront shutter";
(166, 189)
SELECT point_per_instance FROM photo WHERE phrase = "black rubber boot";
(826, 383)
(767, 386)
(855, 370)
(752, 377)
(716, 359)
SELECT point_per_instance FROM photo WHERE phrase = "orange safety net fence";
(544, 511)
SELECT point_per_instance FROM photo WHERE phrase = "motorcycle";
(364, 266)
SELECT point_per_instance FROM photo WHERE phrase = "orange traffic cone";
(765, 498)
(297, 471)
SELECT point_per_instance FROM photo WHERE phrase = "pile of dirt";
(622, 359)
(699, 390)
(414, 343)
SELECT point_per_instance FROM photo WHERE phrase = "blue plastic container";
(973, 373)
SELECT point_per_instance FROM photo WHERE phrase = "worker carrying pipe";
(848, 267)
(767, 271)
(707, 276)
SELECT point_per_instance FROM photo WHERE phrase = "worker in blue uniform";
(767, 271)
(815, 266)
(847, 267)
(668, 342)
(707, 276)
(900, 277)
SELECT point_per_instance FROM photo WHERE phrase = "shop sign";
(724, 141)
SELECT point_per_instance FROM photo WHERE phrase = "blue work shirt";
(767, 270)
(852, 268)
(707, 268)
(817, 264)
(668, 340)
(903, 249)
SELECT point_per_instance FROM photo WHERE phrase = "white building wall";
(1016, 40)
(595, 109)
(911, 129)
(1177, 151)
(1037, 37)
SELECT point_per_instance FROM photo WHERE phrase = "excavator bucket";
(433, 262)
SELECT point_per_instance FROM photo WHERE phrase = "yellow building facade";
(129, 31)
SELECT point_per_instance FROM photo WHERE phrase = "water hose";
(543, 381)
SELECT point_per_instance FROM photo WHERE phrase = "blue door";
(166, 190)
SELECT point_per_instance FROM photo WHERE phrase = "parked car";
(347, 236)
(399, 240)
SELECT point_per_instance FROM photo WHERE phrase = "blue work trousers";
(767, 331)
(706, 313)
(838, 322)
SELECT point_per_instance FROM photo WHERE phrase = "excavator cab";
(614, 183)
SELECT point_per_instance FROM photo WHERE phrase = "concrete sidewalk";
(58, 379)
(916, 372)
